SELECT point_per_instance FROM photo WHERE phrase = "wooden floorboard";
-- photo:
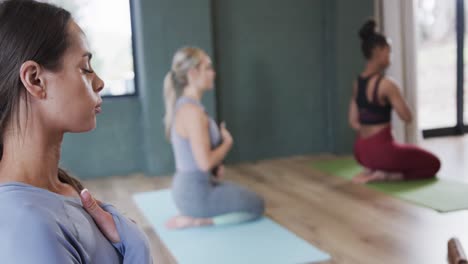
(353, 223)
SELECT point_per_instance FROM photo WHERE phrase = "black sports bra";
(371, 113)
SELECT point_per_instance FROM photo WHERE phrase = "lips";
(98, 108)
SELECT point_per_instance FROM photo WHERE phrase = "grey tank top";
(183, 154)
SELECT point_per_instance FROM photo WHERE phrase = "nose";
(98, 84)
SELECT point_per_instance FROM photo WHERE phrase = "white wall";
(397, 20)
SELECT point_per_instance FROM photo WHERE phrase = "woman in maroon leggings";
(374, 97)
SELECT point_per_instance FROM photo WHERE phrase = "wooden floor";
(351, 222)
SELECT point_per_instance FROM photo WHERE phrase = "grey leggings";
(197, 196)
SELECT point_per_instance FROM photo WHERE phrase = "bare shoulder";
(192, 112)
(389, 84)
(390, 81)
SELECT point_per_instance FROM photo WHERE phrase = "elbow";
(204, 165)
(409, 118)
(354, 125)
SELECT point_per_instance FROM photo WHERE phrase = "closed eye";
(87, 71)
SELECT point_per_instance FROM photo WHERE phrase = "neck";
(31, 157)
(371, 68)
(193, 92)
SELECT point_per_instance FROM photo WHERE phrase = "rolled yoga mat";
(260, 241)
(439, 194)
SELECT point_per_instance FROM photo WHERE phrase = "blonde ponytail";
(170, 97)
(176, 80)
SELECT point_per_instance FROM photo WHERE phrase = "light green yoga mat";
(261, 241)
(438, 194)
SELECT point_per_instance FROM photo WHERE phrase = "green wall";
(114, 148)
(349, 17)
(271, 76)
(283, 83)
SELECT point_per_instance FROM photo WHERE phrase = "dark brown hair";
(34, 31)
(370, 38)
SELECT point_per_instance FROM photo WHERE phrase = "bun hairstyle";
(370, 38)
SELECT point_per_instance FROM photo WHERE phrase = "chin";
(92, 126)
(84, 127)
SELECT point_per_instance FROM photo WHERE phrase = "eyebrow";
(88, 54)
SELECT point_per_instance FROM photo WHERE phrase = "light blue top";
(183, 154)
(41, 227)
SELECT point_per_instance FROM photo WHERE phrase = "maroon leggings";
(381, 152)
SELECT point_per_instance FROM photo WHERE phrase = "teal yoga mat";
(438, 194)
(261, 241)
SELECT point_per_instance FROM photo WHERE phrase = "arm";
(197, 127)
(353, 115)
(133, 244)
(392, 92)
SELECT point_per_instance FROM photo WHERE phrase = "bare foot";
(378, 176)
(362, 177)
(373, 177)
(182, 221)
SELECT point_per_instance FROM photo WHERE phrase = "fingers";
(103, 219)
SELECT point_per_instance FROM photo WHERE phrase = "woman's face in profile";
(73, 98)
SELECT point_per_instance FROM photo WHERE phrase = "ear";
(30, 75)
(191, 74)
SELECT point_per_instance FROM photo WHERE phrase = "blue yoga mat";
(261, 241)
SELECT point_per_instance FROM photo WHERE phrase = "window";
(437, 63)
(107, 24)
(441, 27)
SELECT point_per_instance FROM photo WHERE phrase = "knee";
(431, 166)
(436, 164)
(258, 206)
